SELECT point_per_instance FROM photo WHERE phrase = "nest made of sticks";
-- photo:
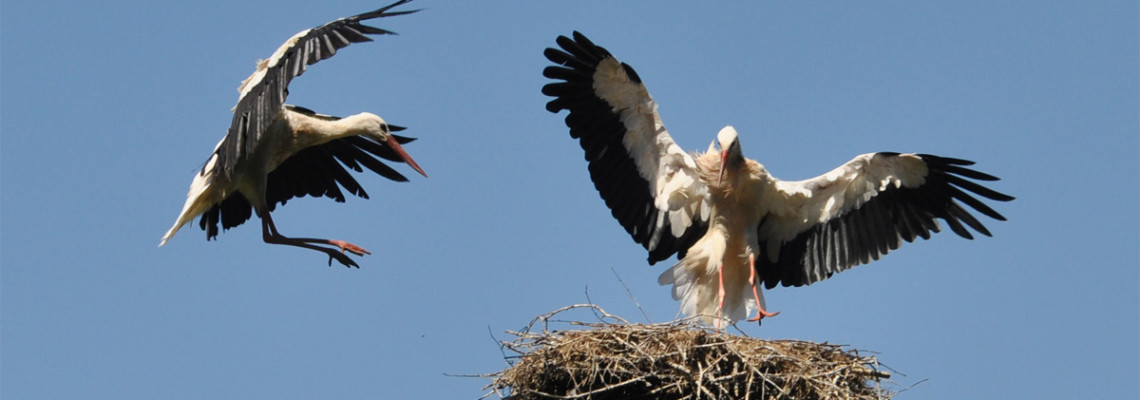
(679, 360)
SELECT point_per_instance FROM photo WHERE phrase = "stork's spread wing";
(864, 209)
(649, 183)
(315, 171)
(263, 93)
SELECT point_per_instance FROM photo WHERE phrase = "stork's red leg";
(760, 312)
(720, 295)
(343, 245)
(270, 235)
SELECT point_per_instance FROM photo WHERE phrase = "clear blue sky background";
(110, 107)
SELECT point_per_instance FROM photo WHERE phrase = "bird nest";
(614, 359)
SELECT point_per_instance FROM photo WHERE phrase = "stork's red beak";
(723, 165)
(403, 154)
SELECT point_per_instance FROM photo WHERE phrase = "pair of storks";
(731, 224)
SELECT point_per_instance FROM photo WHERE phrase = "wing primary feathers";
(583, 49)
(969, 173)
(955, 224)
(568, 64)
(975, 204)
(380, 168)
(383, 11)
(379, 150)
(940, 160)
(976, 188)
(339, 173)
(971, 221)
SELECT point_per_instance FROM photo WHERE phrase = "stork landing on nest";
(731, 224)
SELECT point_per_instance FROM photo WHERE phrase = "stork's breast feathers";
(682, 197)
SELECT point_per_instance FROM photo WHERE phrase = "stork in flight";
(274, 152)
(731, 224)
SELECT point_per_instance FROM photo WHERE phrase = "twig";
(631, 296)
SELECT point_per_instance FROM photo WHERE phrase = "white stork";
(730, 222)
(274, 152)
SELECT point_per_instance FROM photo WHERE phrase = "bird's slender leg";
(760, 312)
(720, 295)
(270, 235)
(343, 245)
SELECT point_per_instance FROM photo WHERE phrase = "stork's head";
(730, 155)
(378, 129)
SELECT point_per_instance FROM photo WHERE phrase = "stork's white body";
(726, 218)
(288, 134)
(721, 253)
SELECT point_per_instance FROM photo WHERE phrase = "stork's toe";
(349, 247)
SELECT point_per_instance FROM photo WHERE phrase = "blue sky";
(109, 107)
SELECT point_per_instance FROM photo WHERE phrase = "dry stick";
(592, 392)
(631, 296)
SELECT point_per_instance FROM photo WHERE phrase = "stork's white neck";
(316, 130)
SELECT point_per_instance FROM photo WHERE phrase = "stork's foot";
(341, 258)
(351, 248)
(761, 314)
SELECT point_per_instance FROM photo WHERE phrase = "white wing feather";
(679, 194)
(796, 206)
